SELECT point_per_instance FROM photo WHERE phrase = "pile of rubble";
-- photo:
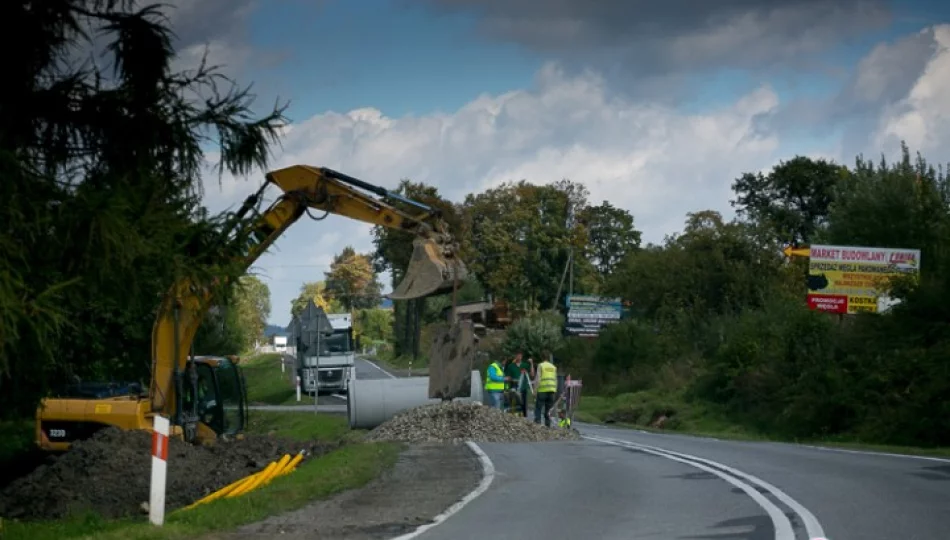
(456, 422)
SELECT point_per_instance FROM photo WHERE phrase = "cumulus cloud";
(216, 31)
(922, 116)
(653, 160)
(654, 38)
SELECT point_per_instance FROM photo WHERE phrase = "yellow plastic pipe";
(253, 483)
(221, 492)
(278, 469)
(285, 465)
(293, 464)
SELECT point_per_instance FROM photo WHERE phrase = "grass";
(302, 426)
(402, 363)
(266, 384)
(350, 467)
(639, 409)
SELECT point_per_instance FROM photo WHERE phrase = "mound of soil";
(110, 472)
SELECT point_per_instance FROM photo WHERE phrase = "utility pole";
(570, 262)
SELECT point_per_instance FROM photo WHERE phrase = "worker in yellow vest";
(546, 383)
(495, 385)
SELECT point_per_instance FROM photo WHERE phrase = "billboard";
(588, 315)
(849, 279)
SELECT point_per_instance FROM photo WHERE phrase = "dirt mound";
(109, 474)
(458, 421)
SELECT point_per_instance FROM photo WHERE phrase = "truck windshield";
(336, 344)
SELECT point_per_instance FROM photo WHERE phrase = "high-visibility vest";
(548, 376)
(494, 386)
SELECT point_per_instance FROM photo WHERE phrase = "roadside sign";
(851, 279)
(588, 315)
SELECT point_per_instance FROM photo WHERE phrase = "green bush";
(533, 334)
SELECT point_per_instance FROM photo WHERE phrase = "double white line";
(746, 482)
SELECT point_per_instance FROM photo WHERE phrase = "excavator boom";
(435, 267)
(206, 397)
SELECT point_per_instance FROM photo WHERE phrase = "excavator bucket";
(430, 272)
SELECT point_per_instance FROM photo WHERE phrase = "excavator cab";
(214, 398)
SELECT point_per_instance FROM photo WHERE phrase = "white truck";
(329, 371)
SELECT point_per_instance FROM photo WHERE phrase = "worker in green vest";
(495, 385)
(514, 370)
(546, 389)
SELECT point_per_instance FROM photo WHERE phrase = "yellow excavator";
(205, 396)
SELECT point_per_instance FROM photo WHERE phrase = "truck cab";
(329, 370)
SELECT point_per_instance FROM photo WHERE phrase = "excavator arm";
(434, 268)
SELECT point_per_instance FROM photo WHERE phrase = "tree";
(375, 324)
(221, 333)
(105, 166)
(534, 334)
(352, 280)
(316, 291)
(523, 235)
(793, 200)
(610, 235)
(252, 306)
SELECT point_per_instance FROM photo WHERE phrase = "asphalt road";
(335, 403)
(625, 484)
(629, 484)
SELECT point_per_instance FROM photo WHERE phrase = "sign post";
(156, 501)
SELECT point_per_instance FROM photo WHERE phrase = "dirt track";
(425, 481)
(110, 472)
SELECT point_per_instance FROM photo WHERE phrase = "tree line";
(719, 319)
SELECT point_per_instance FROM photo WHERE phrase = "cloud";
(898, 90)
(216, 30)
(651, 159)
(922, 116)
(656, 38)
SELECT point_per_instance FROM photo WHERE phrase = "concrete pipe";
(373, 401)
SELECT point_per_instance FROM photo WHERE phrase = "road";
(624, 484)
(336, 403)
(629, 484)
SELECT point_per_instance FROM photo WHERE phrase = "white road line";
(812, 527)
(488, 474)
(370, 362)
(873, 453)
(783, 526)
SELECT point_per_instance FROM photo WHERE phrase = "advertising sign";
(588, 315)
(848, 279)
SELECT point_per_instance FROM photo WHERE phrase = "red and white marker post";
(156, 500)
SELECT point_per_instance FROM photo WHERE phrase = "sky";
(656, 106)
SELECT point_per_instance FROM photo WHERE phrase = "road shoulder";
(426, 480)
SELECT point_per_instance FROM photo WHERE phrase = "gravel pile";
(460, 421)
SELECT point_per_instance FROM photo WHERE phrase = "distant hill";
(274, 330)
